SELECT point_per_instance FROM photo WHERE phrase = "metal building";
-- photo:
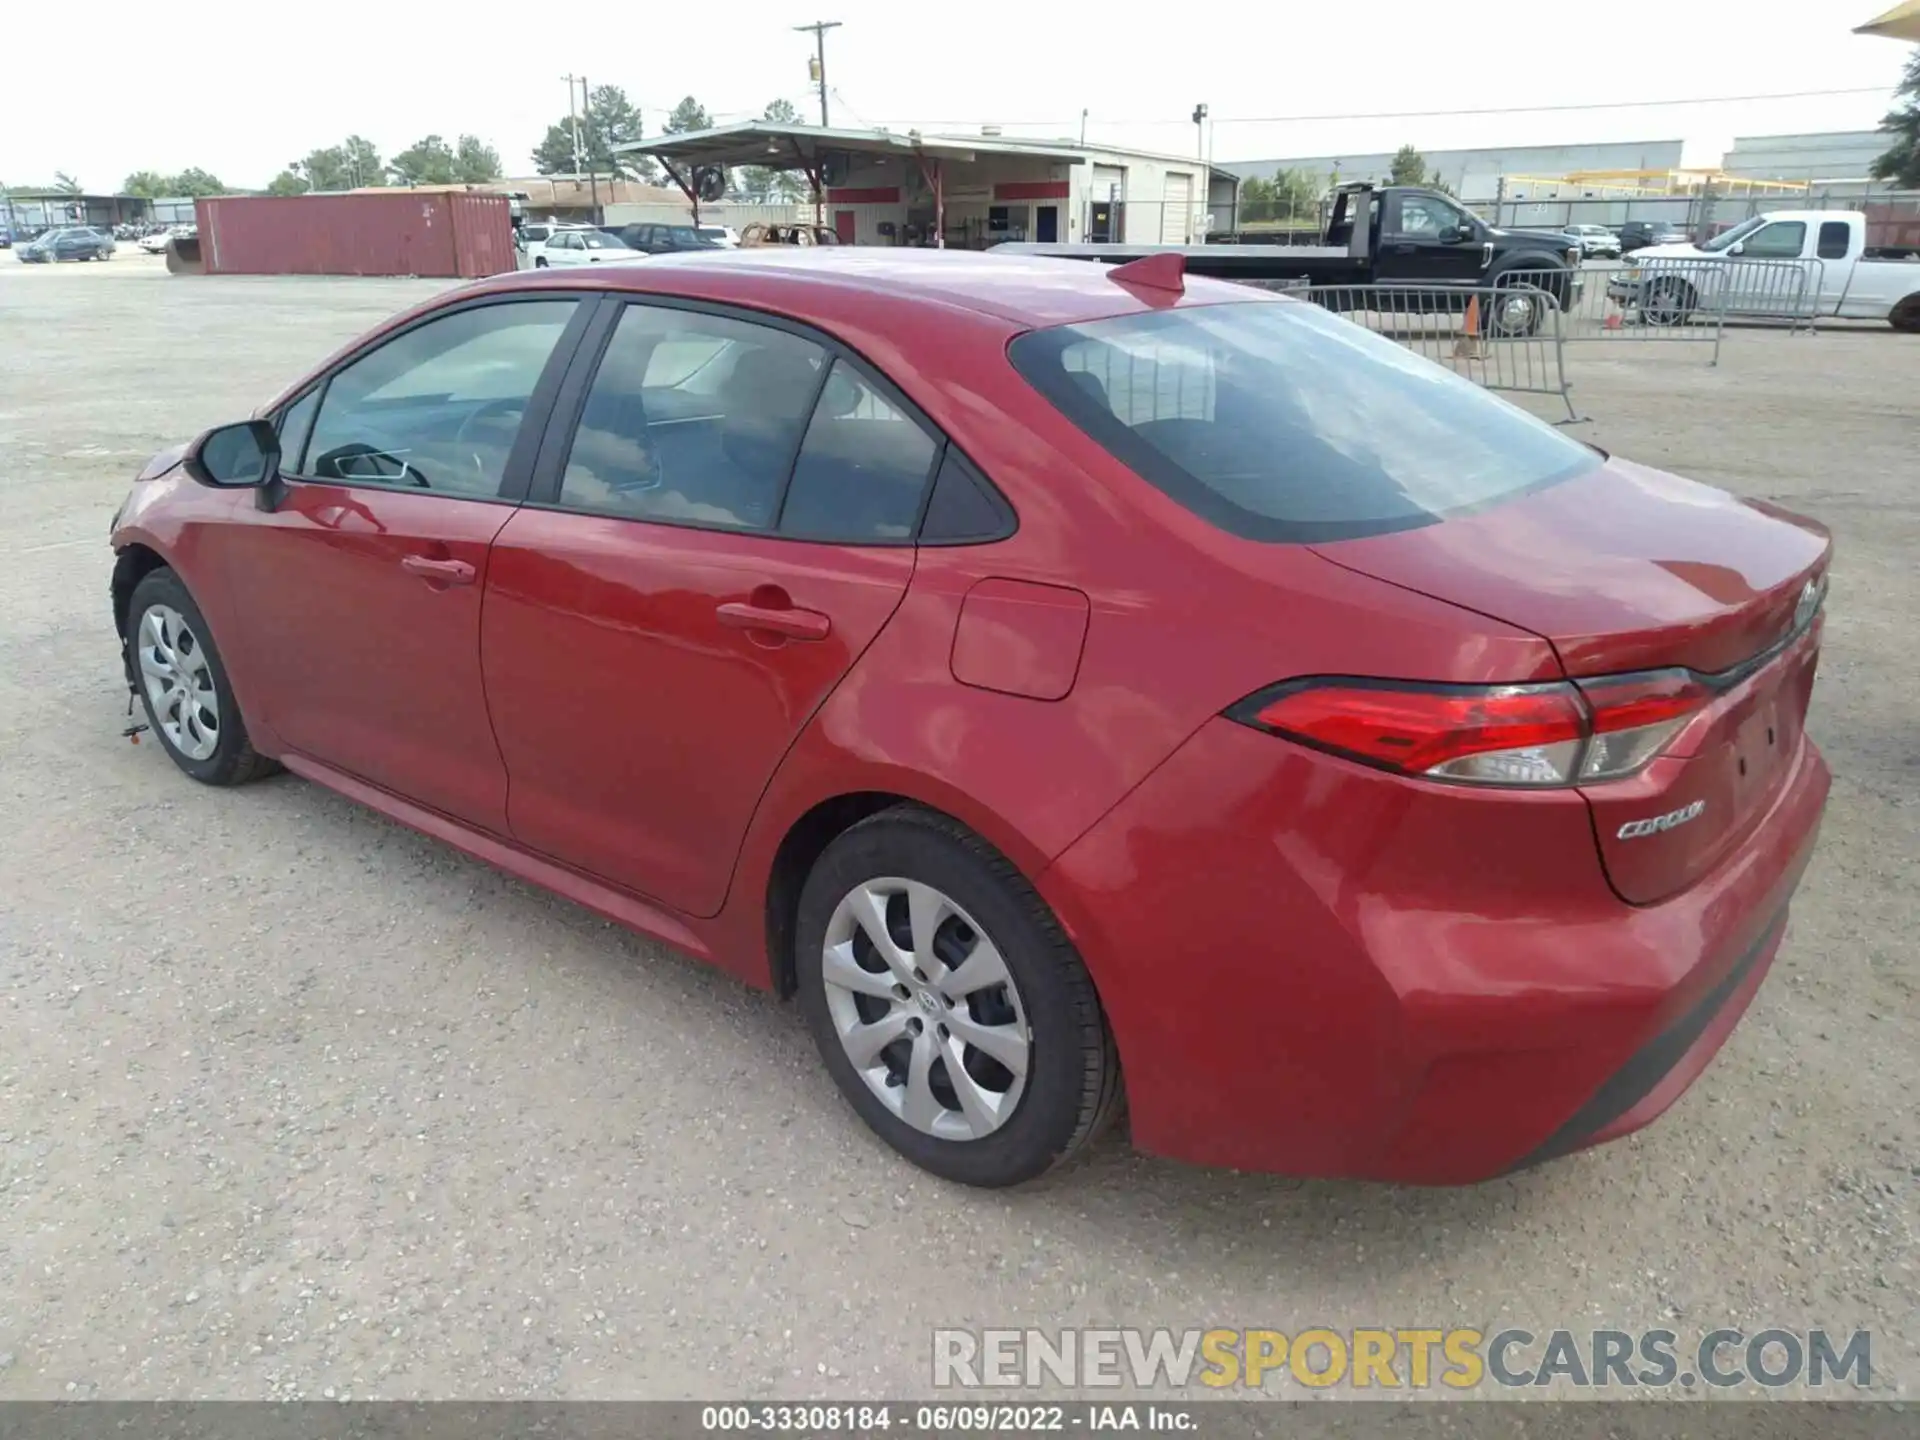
(1474, 175)
(1838, 155)
(956, 191)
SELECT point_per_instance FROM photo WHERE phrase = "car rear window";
(1276, 420)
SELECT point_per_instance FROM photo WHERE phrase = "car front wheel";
(183, 685)
(948, 1005)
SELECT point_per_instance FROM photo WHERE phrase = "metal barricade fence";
(1682, 299)
(1502, 338)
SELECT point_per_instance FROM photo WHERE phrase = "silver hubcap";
(1516, 312)
(926, 1009)
(179, 682)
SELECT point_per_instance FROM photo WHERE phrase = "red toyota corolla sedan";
(1048, 674)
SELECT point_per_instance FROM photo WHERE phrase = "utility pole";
(1200, 132)
(1083, 127)
(819, 67)
(593, 173)
(573, 123)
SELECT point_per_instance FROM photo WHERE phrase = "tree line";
(572, 145)
(611, 119)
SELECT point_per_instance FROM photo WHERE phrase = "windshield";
(1739, 232)
(1279, 421)
(596, 240)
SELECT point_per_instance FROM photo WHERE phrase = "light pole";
(819, 29)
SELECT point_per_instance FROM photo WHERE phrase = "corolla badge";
(1635, 829)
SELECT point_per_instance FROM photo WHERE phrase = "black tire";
(540, 262)
(1668, 300)
(1073, 1083)
(234, 761)
(1499, 327)
(1906, 316)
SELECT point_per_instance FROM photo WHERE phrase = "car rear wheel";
(948, 1005)
(1669, 301)
(183, 685)
(1906, 316)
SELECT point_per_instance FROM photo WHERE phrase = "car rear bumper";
(1320, 969)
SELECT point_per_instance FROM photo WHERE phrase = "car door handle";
(447, 572)
(794, 624)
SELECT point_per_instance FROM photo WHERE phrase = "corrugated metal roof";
(1902, 22)
(762, 142)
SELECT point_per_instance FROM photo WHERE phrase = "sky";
(241, 88)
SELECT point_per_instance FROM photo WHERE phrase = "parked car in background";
(1389, 235)
(69, 242)
(1596, 242)
(583, 247)
(758, 234)
(1638, 234)
(534, 237)
(725, 236)
(1827, 268)
(783, 607)
(156, 243)
(662, 239)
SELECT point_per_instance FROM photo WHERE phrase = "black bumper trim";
(1654, 1061)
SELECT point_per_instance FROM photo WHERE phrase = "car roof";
(1030, 291)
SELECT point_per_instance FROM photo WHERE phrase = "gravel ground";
(297, 1103)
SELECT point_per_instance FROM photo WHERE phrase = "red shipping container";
(396, 232)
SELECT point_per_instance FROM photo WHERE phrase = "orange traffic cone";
(1468, 347)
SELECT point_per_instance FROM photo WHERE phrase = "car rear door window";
(439, 406)
(693, 418)
(1278, 421)
(1835, 238)
(863, 467)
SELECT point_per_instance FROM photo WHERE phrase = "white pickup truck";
(1840, 274)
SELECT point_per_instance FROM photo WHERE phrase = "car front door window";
(1782, 240)
(439, 407)
(1420, 219)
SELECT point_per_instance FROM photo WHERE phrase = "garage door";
(1176, 215)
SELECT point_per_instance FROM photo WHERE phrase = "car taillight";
(1634, 718)
(1529, 735)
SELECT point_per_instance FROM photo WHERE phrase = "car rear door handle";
(792, 623)
(447, 572)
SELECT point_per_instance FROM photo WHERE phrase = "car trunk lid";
(1626, 570)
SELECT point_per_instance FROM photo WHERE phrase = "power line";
(1435, 114)
(851, 111)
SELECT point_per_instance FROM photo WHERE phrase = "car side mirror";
(1739, 247)
(1452, 235)
(239, 457)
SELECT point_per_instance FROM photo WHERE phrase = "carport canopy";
(1902, 22)
(807, 148)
